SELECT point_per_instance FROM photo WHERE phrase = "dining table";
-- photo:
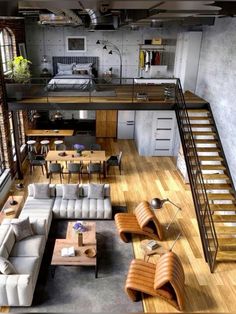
(84, 157)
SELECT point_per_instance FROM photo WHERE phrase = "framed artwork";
(76, 43)
(22, 50)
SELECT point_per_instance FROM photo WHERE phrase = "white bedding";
(74, 81)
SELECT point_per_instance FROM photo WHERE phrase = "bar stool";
(57, 144)
(32, 146)
(44, 146)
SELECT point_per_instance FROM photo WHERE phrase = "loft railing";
(202, 208)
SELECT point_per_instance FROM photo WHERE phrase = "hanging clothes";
(141, 59)
(157, 60)
(147, 61)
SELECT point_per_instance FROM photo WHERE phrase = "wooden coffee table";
(80, 259)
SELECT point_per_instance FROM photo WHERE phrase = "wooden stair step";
(215, 176)
(213, 167)
(205, 141)
(220, 196)
(224, 218)
(207, 149)
(210, 158)
(204, 126)
(204, 133)
(199, 118)
(198, 111)
(226, 256)
(224, 230)
(217, 186)
(223, 207)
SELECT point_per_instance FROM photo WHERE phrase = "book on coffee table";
(68, 251)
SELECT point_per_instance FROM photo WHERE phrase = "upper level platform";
(131, 94)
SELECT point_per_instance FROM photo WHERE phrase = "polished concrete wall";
(217, 81)
(51, 41)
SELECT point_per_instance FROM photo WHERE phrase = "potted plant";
(79, 148)
(20, 74)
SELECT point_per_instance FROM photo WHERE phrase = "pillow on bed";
(83, 66)
(65, 67)
(68, 72)
(80, 72)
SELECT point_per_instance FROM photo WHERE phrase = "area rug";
(75, 289)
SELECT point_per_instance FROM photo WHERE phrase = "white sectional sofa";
(26, 255)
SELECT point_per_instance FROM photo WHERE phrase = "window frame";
(7, 48)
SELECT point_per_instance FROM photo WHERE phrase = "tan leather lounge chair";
(143, 221)
(164, 279)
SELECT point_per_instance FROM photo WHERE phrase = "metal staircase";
(211, 183)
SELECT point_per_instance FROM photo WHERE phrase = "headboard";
(76, 59)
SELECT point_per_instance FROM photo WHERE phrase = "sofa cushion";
(82, 208)
(70, 191)
(41, 190)
(96, 191)
(84, 190)
(7, 239)
(6, 267)
(39, 226)
(22, 228)
(31, 246)
(51, 188)
(26, 265)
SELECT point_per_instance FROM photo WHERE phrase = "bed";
(73, 73)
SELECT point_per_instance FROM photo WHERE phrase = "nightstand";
(46, 75)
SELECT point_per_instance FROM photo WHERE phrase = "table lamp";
(12, 201)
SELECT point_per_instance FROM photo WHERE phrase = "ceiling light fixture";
(58, 115)
(36, 115)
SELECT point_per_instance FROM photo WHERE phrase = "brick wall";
(18, 28)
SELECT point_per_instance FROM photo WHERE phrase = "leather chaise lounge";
(143, 222)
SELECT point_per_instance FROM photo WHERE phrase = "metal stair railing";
(201, 203)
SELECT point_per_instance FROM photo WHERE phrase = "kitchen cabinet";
(106, 123)
(125, 129)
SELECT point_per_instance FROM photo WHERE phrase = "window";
(8, 47)
(20, 130)
(2, 159)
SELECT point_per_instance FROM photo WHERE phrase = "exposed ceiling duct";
(60, 17)
(114, 14)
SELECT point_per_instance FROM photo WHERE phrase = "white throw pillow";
(65, 67)
(67, 72)
(6, 267)
(83, 66)
(41, 190)
(22, 228)
(70, 191)
(96, 191)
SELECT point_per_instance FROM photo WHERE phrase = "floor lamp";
(157, 203)
(113, 49)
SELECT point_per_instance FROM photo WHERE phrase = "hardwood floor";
(142, 179)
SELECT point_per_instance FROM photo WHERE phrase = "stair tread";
(220, 196)
(207, 149)
(226, 256)
(199, 118)
(218, 186)
(223, 207)
(213, 167)
(224, 218)
(205, 141)
(215, 176)
(198, 110)
(208, 133)
(201, 125)
(210, 158)
(225, 229)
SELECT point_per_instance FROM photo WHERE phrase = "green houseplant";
(20, 71)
